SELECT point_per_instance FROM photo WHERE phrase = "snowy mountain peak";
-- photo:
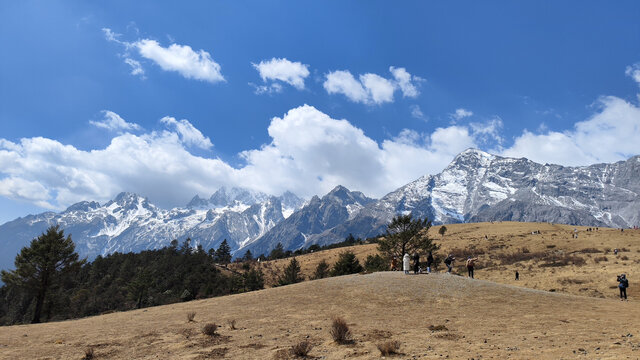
(473, 157)
(83, 206)
(229, 196)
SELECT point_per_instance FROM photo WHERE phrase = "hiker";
(416, 263)
(615, 251)
(470, 263)
(394, 263)
(623, 285)
(429, 262)
(449, 262)
(406, 263)
(517, 275)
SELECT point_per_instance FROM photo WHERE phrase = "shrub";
(347, 264)
(389, 348)
(437, 328)
(563, 260)
(88, 354)
(340, 331)
(375, 263)
(253, 279)
(525, 250)
(210, 329)
(291, 273)
(624, 257)
(190, 316)
(589, 251)
(597, 259)
(232, 324)
(302, 348)
(508, 259)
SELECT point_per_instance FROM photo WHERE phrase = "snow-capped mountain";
(320, 214)
(130, 223)
(478, 186)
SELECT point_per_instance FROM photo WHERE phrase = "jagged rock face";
(318, 215)
(477, 186)
(130, 223)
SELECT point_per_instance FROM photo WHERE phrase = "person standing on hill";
(406, 263)
(449, 262)
(470, 264)
(416, 263)
(394, 263)
(429, 262)
(623, 285)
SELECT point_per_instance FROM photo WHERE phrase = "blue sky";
(172, 100)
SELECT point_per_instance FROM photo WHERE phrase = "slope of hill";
(482, 320)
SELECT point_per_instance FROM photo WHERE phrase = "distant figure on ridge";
(429, 262)
(470, 263)
(449, 262)
(406, 263)
(623, 285)
(416, 263)
(517, 275)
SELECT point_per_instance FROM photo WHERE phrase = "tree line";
(50, 281)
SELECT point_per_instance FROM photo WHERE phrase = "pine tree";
(40, 266)
(443, 230)
(347, 264)
(253, 279)
(277, 252)
(248, 256)
(322, 270)
(223, 254)
(406, 236)
(291, 273)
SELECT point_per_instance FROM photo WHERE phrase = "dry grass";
(487, 319)
(437, 328)
(389, 348)
(190, 316)
(302, 348)
(232, 324)
(340, 331)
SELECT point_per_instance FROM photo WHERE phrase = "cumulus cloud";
(292, 73)
(114, 122)
(460, 114)
(191, 64)
(611, 134)
(309, 153)
(633, 71)
(188, 133)
(182, 59)
(416, 112)
(273, 88)
(371, 88)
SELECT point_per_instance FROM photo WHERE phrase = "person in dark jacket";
(429, 262)
(623, 285)
(449, 262)
(416, 263)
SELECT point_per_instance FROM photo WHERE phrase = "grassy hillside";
(492, 316)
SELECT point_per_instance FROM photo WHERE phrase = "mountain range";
(476, 186)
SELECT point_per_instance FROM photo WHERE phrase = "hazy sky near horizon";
(170, 100)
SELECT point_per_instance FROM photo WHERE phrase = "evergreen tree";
(139, 287)
(40, 266)
(347, 264)
(322, 270)
(277, 252)
(376, 263)
(291, 273)
(223, 254)
(443, 230)
(248, 256)
(253, 279)
(406, 236)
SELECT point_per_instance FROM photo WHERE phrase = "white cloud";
(633, 71)
(371, 88)
(416, 112)
(292, 73)
(343, 82)
(114, 122)
(403, 79)
(136, 67)
(273, 88)
(188, 133)
(198, 65)
(181, 58)
(460, 114)
(611, 134)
